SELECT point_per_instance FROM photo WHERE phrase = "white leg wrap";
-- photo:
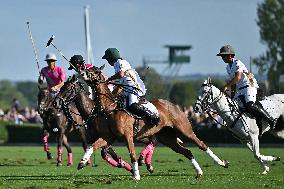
(87, 154)
(136, 173)
(267, 158)
(214, 157)
(265, 170)
(196, 167)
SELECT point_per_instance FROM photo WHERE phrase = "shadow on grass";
(68, 176)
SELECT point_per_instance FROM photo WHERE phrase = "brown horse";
(68, 94)
(54, 121)
(111, 123)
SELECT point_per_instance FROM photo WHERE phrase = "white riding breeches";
(249, 93)
(132, 98)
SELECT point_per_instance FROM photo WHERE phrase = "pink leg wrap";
(70, 158)
(111, 161)
(126, 165)
(45, 144)
(148, 148)
(59, 153)
(149, 156)
(89, 162)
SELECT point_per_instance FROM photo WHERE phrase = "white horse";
(243, 126)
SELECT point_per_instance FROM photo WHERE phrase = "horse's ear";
(209, 80)
(102, 67)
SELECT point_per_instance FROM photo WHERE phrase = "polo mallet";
(51, 43)
(34, 49)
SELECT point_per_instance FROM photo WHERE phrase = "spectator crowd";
(30, 114)
(203, 119)
(20, 115)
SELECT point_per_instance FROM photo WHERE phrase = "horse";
(242, 125)
(111, 123)
(107, 152)
(55, 121)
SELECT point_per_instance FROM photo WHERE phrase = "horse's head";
(94, 76)
(96, 80)
(43, 99)
(205, 97)
(71, 88)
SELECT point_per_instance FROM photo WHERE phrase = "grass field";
(27, 167)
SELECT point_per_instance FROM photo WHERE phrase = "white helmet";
(50, 56)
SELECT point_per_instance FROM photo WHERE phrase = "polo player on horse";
(133, 87)
(245, 85)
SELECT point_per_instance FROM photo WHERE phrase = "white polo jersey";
(131, 81)
(247, 78)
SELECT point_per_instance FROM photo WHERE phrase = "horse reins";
(210, 94)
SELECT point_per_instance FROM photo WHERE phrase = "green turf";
(27, 167)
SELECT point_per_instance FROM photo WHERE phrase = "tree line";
(24, 91)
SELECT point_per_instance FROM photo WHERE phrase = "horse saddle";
(142, 109)
(143, 104)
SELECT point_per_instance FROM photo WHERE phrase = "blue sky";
(137, 28)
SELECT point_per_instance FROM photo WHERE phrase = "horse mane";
(104, 96)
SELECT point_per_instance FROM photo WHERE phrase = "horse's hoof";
(226, 163)
(199, 175)
(59, 164)
(81, 166)
(49, 156)
(136, 177)
(136, 174)
(141, 161)
(264, 173)
(277, 158)
(150, 168)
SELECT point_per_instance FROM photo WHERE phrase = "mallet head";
(49, 41)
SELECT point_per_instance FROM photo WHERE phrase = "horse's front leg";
(45, 136)
(111, 157)
(59, 148)
(69, 150)
(87, 149)
(131, 149)
(254, 147)
(86, 157)
(147, 154)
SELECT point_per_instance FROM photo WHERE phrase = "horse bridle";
(204, 103)
(66, 100)
(43, 106)
(206, 109)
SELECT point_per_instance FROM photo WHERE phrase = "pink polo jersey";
(53, 77)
